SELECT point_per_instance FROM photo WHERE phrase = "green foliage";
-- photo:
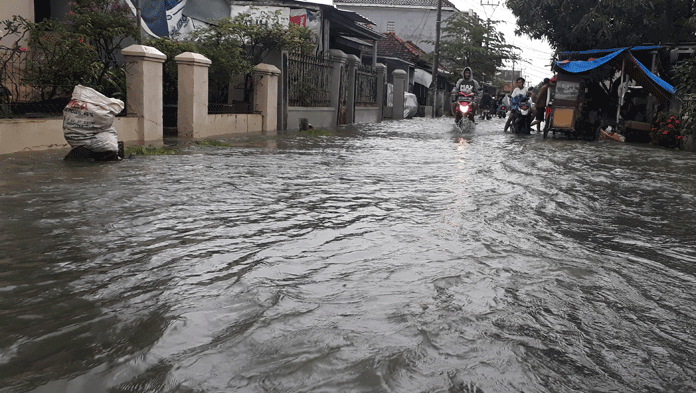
(666, 131)
(236, 45)
(170, 72)
(685, 76)
(219, 44)
(468, 41)
(499, 83)
(12, 31)
(589, 24)
(211, 142)
(61, 59)
(148, 151)
(104, 24)
(307, 89)
(317, 132)
(81, 50)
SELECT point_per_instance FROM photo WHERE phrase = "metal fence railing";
(226, 97)
(366, 81)
(20, 97)
(309, 81)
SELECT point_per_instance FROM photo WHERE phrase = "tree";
(468, 42)
(81, 50)
(60, 60)
(170, 71)
(590, 24)
(236, 45)
(105, 24)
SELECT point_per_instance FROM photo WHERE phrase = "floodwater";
(392, 257)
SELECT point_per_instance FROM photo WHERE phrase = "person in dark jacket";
(540, 104)
(465, 85)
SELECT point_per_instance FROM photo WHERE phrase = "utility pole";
(436, 58)
(138, 21)
(484, 4)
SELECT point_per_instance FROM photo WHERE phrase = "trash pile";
(88, 125)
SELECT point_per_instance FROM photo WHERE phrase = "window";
(390, 27)
(42, 10)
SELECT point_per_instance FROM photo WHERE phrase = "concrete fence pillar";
(352, 63)
(266, 95)
(381, 90)
(193, 93)
(144, 90)
(339, 60)
(399, 90)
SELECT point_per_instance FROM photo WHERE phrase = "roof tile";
(407, 3)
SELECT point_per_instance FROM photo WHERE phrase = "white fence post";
(399, 90)
(192, 111)
(144, 90)
(266, 95)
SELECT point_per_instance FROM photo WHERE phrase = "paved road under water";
(394, 257)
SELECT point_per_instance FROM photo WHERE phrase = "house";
(398, 54)
(411, 20)
(331, 27)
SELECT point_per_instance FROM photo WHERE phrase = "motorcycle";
(485, 113)
(522, 110)
(465, 115)
(502, 110)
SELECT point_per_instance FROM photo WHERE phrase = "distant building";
(396, 53)
(508, 75)
(411, 20)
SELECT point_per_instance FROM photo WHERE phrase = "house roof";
(392, 46)
(403, 3)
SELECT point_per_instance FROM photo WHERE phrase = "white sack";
(88, 119)
(410, 105)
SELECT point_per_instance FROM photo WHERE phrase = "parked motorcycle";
(465, 114)
(522, 111)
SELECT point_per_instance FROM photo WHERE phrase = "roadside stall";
(615, 92)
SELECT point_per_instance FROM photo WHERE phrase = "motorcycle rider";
(486, 102)
(466, 84)
(521, 89)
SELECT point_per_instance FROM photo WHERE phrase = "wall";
(42, 134)
(227, 124)
(8, 8)
(366, 115)
(318, 117)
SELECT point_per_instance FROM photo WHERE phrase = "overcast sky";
(536, 53)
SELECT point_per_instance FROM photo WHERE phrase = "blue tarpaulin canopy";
(633, 68)
(580, 66)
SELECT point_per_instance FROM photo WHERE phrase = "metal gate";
(341, 118)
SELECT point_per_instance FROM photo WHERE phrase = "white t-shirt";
(519, 91)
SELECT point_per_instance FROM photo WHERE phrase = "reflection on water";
(397, 257)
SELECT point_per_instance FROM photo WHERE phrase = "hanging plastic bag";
(88, 120)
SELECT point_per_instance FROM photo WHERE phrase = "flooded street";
(392, 257)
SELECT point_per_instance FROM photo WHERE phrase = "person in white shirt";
(521, 89)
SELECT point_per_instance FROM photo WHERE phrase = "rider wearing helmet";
(465, 85)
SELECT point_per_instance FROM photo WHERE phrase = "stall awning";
(633, 68)
(580, 66)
